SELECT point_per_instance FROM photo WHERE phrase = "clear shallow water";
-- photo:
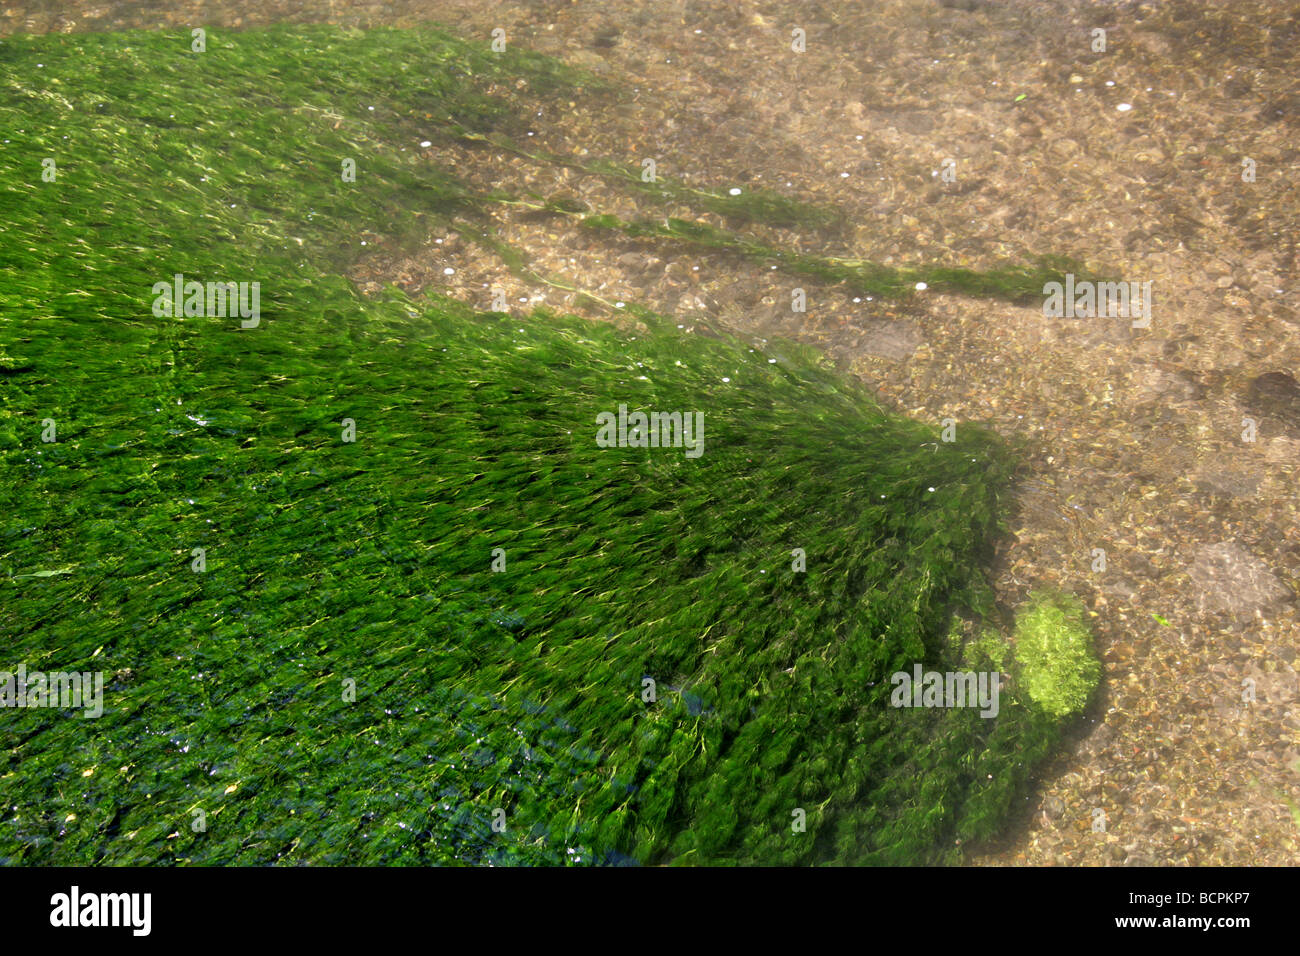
(1092, 137)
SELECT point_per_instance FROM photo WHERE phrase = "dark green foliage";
(369, 561)
(1014, 282)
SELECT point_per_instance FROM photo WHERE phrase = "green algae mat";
(392, 581)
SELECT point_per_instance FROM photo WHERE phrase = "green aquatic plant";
(363, 584)
(1017, 283)
(1053, 648)
(752, 205)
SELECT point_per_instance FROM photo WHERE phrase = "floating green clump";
(471, 633)
(1054, 650)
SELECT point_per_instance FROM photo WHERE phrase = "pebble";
(1233, 581)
